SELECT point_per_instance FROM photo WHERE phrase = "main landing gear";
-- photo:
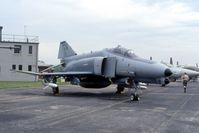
(120, 89)
(51, 82)
(55, 89)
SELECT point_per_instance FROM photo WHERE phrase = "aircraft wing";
(53, 74)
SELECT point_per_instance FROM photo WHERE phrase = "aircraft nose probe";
(167, 72)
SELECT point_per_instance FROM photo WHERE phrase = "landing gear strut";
(135, 97)
(120, 89)
(134, 93)
(55, 89)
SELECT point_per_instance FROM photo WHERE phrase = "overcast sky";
(157, 28)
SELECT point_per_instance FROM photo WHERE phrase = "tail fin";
(171, 61)
(65, 50)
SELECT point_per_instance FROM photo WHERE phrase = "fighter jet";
(194, 68)
(177, 72)
(100, 69)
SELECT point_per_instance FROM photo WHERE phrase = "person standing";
(185, 79)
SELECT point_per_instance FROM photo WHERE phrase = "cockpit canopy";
(128, 53)
(123, 51)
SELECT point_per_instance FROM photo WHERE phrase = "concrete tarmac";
(79, 110)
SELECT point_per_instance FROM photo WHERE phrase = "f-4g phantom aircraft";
(102, 68)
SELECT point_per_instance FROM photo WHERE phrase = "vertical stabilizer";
(171, 60)
(65, 50)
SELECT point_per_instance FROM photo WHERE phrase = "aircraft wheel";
(55, 90)
(134, 97)
(163, 85)
(119, 90)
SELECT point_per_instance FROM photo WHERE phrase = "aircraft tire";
(55, 90)
(119, 90)
(163, 85)
(134, 97)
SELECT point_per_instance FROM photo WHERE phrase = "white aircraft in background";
(177, 72)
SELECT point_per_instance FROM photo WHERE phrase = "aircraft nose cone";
(167, 72)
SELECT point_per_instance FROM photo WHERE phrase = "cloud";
(95, 24)
(163, 14)
(121, 12)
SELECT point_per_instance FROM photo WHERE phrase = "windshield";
(123, 51)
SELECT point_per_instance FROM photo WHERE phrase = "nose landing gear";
(55, 89)
(134, 91)
(134, 97)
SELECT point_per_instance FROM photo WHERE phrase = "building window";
(29, 68)
(17, 49)
(30, 50)
(13, 67)
(20, 67)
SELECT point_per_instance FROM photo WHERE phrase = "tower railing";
(19, 38)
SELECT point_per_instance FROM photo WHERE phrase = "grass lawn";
(19, 84)
(24, 84)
